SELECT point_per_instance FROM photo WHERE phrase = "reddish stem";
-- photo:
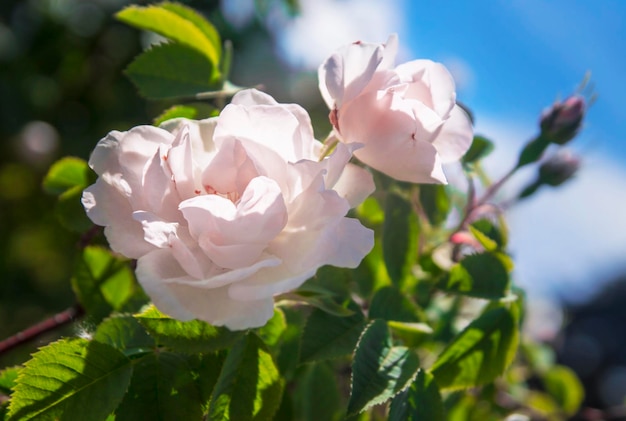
(60, 319)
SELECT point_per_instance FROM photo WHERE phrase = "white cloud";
(567, 240)
(324, 25)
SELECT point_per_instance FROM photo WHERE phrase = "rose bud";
(561, 122)
(558, 169)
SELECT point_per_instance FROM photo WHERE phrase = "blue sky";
(511, 59)
(523, 53)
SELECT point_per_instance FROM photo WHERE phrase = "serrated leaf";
(379, 370)
(162, 388)
(176, 111)
(72, 379)
(249, 386)
(7, 379)
(171, 70)
(483, 275)
(177, 23)
(187, 337)
(317, 396)
(399, 237)
(326, 336)
(435, 202)
(421, 401)
(390, 304)
(480, 148)
(480, 353)
(205, 369)
(102, 282)
(123, 332)
(565, 387)
(67, 173)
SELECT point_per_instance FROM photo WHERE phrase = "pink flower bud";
(561, 122)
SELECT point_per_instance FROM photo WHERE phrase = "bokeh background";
(62, 89)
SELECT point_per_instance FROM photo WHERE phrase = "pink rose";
(405, 116)
(222, 214)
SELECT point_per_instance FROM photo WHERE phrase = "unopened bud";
(561, 122)
(559, 168)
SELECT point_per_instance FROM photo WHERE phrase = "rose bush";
(405, 116)
(222, 214)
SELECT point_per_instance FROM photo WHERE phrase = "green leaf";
(7, 379)
(72, 379)
(171, 70)
(123, 332)
(480, 148)
(274, 328)
(326, 336)
(390, 304)
(399, 237)
(532, 151)
(483, 275)
(70, 211)
(162, 388)
(178, 23)
(565, 387)
(488, 235)
(435, 202)
(317, 396)
(206, 369)
(102, 282)
(249, 386)
(67, 173)
(187, 337)
(421, 401)
(379, 370)
(176, 111)
(371, 211)
(480, 353)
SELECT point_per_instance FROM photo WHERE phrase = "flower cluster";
(225, 213)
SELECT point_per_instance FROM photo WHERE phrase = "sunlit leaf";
(249, 386)
(187, 337)
(171, 70)
(274, 328)
(176, 111)
(326, 336)
(480, 353)
(102, 282)
(379, 369)
(421, 401)
(72, 379)
(565, 387)
(124, 333)
(7, 379)
(67, 173)
(177, 23)
(488, 235)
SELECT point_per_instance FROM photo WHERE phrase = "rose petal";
(392, 138)
(430, 83)
(185, 302)
(455, 136)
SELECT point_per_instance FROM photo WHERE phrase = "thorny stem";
(60, 319)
